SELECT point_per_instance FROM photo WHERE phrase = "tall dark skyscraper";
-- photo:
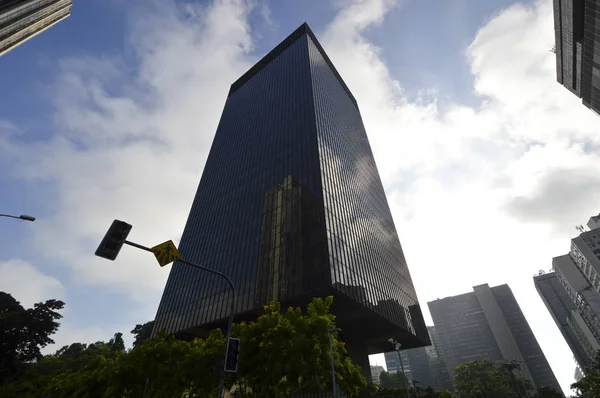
(20, 20)
(577, 44)
(489, 324)
(290, 205)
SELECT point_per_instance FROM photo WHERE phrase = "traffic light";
(231, 355)
(113, 240)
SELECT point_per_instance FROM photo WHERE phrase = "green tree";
(80, 370)
(281, 353)
(24, 332)
(117, 343)
(481, 378)
(589, 385)
(547, 392)
(172, 368)
(289, 352)
(142, 333)
(393, 380)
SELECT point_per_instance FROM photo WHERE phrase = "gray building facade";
(576, 307)
(291, 206)
(21, 20)
(437, 362)
(488, 324)
(424, 366)
(561, 306)
(577, 47)
(375, 373)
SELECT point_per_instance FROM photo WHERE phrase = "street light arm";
(231, 285)
(231, 312)
(213, 271)
(24, 217)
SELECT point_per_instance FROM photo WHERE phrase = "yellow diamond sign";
(166, 253)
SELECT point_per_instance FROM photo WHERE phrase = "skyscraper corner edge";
(302, 30)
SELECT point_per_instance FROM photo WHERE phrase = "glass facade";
(290, 206)
(577, 45)
(20, 20)
(590, 73)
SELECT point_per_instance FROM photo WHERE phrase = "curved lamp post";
(397, 347)
(24, 217)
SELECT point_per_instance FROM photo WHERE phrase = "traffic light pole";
(231, 311)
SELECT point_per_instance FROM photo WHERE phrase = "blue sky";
(110, 114)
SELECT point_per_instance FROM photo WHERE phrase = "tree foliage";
(142, 333)
(390, 392)
(481, 378)
(393, 380)
(268, 344)
(282, 353)
(484, 378)
(168, 367)
(589, 385)
(24, 332)
(547, 392)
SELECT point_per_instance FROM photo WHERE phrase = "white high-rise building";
(375, 373)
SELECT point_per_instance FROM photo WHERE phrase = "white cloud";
(27, 284)
(131, 146)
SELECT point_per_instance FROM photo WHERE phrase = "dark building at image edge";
(291, 206)
(577, 47)
(21, 20)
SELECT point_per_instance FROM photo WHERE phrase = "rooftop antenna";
(580, 228)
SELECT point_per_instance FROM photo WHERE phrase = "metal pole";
(415, 387)
(332, 366)
(403, 374)
(231, 312)
(229, 322)
(21, 217)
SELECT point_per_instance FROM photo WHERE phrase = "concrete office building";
(291, 206)
(572, 293)
(21, 20)
(584, 321)
(424, 366)
(488, 324)
(415, 363)
(561, 306)
(375, 373)
(577, 47)
(585, 251)
(437, 363)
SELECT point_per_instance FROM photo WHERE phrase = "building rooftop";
(304, 29)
